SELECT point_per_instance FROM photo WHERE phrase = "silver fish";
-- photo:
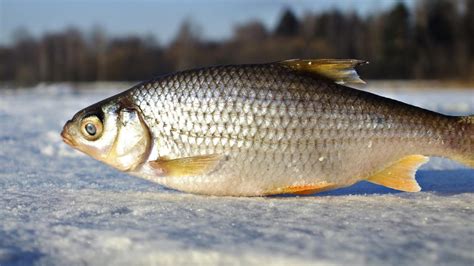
(264, 129)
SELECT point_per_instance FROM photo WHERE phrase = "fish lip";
(66, 137)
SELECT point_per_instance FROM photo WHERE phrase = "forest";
(435, 40)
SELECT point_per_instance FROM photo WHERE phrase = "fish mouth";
(67, 138)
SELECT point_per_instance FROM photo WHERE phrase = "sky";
(161, 18)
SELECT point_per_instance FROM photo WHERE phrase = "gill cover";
(132, 144)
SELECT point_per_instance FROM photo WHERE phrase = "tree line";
(433, 41)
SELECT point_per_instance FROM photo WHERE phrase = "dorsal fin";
(341, 71)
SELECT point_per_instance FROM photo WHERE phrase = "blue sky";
(160, 18)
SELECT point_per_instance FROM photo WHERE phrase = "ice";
(59, 207)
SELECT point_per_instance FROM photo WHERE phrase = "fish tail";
(464, 152)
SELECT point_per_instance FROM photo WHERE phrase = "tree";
(249, 32)
(288, 25)
(25, 63)
(397, 53)
(99, 43)
(188, 33)
(434, 40)
(184, 50)
(469, 27)
(436, 36)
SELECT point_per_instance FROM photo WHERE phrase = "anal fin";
(187, 166)
(400, 175)
(303, 189)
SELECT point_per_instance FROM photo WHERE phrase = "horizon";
(147, 17)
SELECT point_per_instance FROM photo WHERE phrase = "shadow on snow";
(440, 182)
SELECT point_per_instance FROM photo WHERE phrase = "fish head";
(110, 132)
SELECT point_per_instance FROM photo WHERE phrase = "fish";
(289, 127)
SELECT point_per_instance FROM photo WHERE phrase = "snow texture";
(60, 207)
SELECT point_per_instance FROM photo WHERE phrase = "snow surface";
(59, 207)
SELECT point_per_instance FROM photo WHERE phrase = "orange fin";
(188, 166)
(401, 174)
(303, 190)
(341, 71)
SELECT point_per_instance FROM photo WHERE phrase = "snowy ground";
(59, 207)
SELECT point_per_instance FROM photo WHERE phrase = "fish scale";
(216, 87)
(282, 127)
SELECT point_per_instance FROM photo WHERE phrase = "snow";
(59, 207)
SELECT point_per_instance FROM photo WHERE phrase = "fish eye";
(91, 128)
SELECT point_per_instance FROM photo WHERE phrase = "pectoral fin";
(341, 71)
(188, 166)
(401, 174)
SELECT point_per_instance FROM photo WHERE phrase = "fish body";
(252, 130)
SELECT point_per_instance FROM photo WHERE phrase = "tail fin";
(466, 152)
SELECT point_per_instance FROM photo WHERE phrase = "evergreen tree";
(397, 53)
(288, 25)
(469, 27)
